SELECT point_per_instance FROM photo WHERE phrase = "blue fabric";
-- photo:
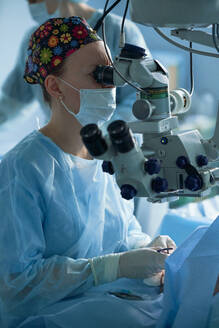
(19, 93)
(57, 210)
(98, 308)
(181, 222)
(190, 279)
(214, 313)
(178, 227)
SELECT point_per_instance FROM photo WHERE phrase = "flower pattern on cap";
(54, 41)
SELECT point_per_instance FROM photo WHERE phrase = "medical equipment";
(165, 250)
(197, 13)
(170, 163)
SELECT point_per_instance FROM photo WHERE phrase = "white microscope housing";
(170, 163)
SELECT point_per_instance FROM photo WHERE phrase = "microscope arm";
(199, 37)
(212, 145)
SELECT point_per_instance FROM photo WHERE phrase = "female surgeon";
(65, 230)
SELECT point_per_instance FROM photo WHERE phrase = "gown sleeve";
(137, 238)
(28, 280)
(16, 93)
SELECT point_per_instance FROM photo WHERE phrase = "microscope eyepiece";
(121, 136)
(93, 140)
(103, 74)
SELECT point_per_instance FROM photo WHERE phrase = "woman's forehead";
(91, 54)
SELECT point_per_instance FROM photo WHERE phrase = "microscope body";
(169, 163)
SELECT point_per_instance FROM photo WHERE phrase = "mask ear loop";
(64, 105)
(60, 97)
(69, 84)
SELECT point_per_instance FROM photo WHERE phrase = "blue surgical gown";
(57, 210)
(18, 94)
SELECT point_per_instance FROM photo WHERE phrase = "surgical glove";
(135, 264)
(159, 243)
(155, 280)
(162, 242)
(105, 268)
(140, 263)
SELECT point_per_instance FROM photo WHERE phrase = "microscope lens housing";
(103, 74)
(121, 136)
(93, 140)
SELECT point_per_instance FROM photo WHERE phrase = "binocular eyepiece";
(120, 135)
(93, 140)
(103, 74)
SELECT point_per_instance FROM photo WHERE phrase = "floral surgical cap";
(52, 42)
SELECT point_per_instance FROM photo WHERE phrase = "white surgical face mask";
(96, 105)
(39, 12)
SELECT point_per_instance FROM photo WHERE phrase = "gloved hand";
(155, 280)
(162, 241)
(159, 243)
(140, 263)
(135, 264)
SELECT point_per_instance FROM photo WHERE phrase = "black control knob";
(128, 192)
(201, 160)
(159, 185)
(152, 166)
(107, 167)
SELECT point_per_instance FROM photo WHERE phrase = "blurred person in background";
(16, 95)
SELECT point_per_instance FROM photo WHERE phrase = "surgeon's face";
(50, 4)
(79, 68)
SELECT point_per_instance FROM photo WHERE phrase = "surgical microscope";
(170, 163)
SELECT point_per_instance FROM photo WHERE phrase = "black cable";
(191, 71)
(214, 37)
(105, 12)
(104, 9)
(124, 16)
(218, 31)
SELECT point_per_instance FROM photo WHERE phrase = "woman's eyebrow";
(102, 61)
